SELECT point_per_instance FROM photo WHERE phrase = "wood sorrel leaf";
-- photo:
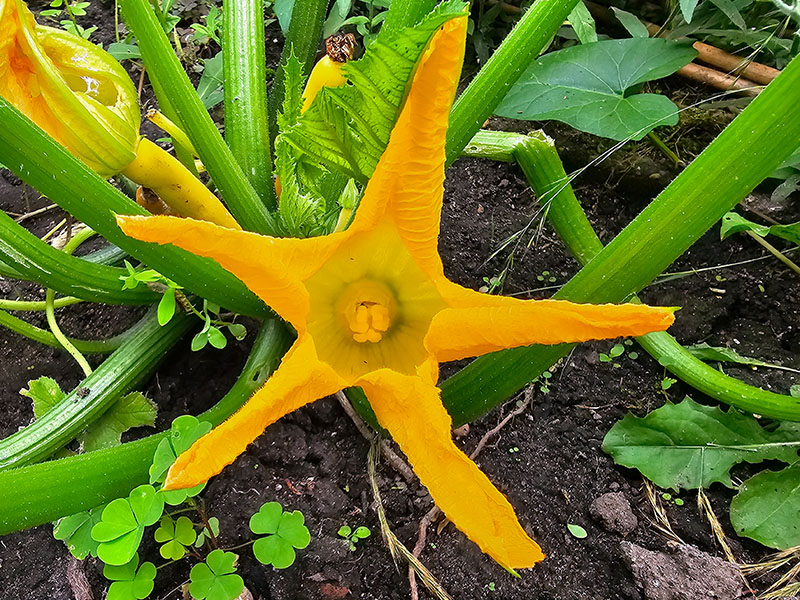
(688, 445)
(591, 87)
(121, 527)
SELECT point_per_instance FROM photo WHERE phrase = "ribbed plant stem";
(126, 367)
(527, 40)
(246, 122)
(748, 150)
(44, 492)
(163, 66)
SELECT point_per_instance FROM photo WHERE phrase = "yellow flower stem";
(183, 192)
(177, 134)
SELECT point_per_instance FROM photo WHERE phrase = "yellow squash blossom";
(85, 100)
(373, 309)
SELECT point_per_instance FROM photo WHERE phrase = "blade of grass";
(530, 36)
(245, 69)
(44, 164)
(40, 493)
(746, 152)
(163, 66)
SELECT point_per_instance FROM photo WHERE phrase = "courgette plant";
(332, 148)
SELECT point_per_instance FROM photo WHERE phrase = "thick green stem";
(527, 40)
(246, 123)
(34, 260)
(542, 166)
(44, 492)
(47, 166)
(407, 13)
(303, 40)
(121, 371)
(45, 337)
(750, 148)
(163, 66)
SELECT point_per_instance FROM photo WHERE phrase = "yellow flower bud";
(69, 87)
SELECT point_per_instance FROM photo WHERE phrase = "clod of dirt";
(687, 574)
(613, 512)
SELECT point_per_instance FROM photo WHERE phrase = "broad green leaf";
(130, 583)
(122, 51)
(45, 394)
(767, 508)
(591, 87)
(121, 527)
(283, 10)
(184, 432)
(275, 551)
(347, 128)
(216, 578)
(583, 23)
(166, 306)
(631, 23)
(688, 445)
(132, 410)
(733, 222)
(336, 17)
(209, 88)
(706, 352)
(76, 532)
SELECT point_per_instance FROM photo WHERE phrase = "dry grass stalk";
(396, 547)
(661, 523)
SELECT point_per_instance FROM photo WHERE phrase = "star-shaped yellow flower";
(372, 308)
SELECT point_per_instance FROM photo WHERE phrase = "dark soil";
(548, 460)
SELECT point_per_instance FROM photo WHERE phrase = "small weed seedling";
(616, 351)
(351, 538)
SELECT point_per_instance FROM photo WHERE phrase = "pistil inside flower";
(368, 308)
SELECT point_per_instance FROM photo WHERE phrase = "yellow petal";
(69, 87)
(484, 323)
(407, 184)
(411, 410)
(299, 380)
(271, 267)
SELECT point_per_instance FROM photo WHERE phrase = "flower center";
(368, 308)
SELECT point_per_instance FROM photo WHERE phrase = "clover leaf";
(76, 532)
(287, 532)
(121, 527)
(184, 432)
(130, 583)
(216, 578)
(177, 535)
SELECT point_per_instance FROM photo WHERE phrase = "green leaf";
(122, 51)
(213, 524)
(132, 410)
(590, 87)
(577, 531)
(216, 578)
(688, 445)
(175, 536)
(344, 531)
(76, 532)
(121, 527)
(287, 530)
(687, 9)
(347, 128)
(733, 222)
(631, 23)
(237, 330)
(216, 338)
(283, 10)
(210, 86)
(362, 532)
(729, 9)
(767, 506)
(583, 23)
(130, 583)
(166, 306)
(706, 352)
(45, 393)
(184, 432)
